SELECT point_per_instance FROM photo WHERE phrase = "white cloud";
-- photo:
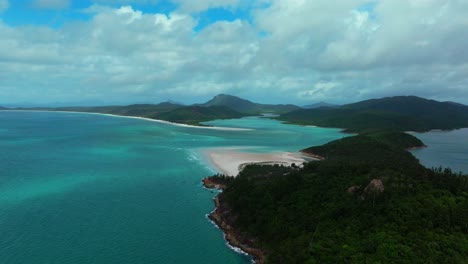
(4, 5)
(129, 14)
(319, 90)
(294, 50)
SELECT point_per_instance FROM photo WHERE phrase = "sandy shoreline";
(230, 161)
(137, 117)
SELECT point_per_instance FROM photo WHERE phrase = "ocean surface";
(448, 149)
(84, 188)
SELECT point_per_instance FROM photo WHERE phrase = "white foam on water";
(233, 248)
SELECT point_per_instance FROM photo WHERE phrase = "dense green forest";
(192, 115)
(380, 149)
(195, 114)
(403, 113)
(369, 202)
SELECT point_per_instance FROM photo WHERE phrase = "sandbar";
(230, 161)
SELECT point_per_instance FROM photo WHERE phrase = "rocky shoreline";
(223, 218)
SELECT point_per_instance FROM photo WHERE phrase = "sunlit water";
(448, 149)
(81, 188)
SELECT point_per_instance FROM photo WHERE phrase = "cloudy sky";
(296, 51)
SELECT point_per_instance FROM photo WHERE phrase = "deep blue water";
(448, 149)
(82, 188)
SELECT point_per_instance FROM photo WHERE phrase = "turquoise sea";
(84, 188)
(448, 149)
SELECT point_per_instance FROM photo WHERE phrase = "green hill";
(381, 149)
(403, 113)
(142, 110)
(164, 111)
(196, 114)
(248, 107)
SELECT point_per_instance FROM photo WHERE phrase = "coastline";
(139, 118)
(235, 239)
(312, 155)
(231, 161)
(416, 148)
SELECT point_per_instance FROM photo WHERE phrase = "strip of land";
(231, 161)
(141, 118)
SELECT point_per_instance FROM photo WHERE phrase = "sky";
(98, 52)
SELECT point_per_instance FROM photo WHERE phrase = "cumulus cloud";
(290, 50)
(4, 4)
(378, 45)
(51, 4)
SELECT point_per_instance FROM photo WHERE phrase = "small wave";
(192, 156)
(207, 216)
(236, 249)
(233, 248)
(196, 156)
(217, 191)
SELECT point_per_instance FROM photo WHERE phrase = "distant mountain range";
(220, 107)
(248, 107)
(320, 104)
(403, 113)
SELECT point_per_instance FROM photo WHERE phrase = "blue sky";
(57, 13)
(274, 51)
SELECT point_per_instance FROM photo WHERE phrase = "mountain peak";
(246, 106)
(227, 97)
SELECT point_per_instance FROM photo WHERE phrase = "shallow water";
(81, 188)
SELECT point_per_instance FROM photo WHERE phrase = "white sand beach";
(231, 161)
(141, 118)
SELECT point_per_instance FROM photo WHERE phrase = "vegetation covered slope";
(248, 107)
(220, 107)
(141, 110)
(164, 111)
(196, 114)
(378, 148)
(401, 113)
(370, 202)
